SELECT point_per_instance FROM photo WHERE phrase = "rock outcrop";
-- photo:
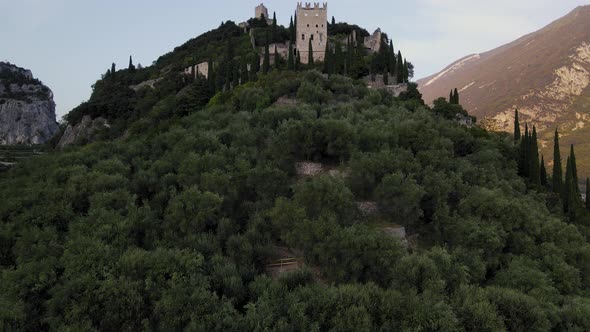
(27, 110)
(85, 131)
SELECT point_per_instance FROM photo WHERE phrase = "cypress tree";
(255, 67)
(338, 61)
(451, 97)
(292, 31)
(298, 61)
(392, 61)
(273, 28)
(266, 61)
(290, 60)
(113, 71)
(456, 92)
(544, 181)
(399, 71)
(386, 77)
(328, 60)
(557, 168)
(588, 194)
(131, 66)
(236, 76)
(310, 54)
(407, 76)
(574, 170)
(333, 20)
(567, 186)
(534, 169)
(523, 164)
(278, 59)
(244, 73)
(516, 126)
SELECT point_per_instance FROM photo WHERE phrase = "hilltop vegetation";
(170, 227)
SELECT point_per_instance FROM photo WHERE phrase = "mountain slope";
(546, 74)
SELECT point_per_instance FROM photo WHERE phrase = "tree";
(131, 66)
(290, 60)
(569, 192)
(399, 72)
(273, 28)
(298, 61)
(292, 31)
(574, 169)
(523, 161)
(278, 59)
(544, 181)
(328, 60)
(456, 97)
(588, 194)
(266, 61)
(333, 21)
(310, 54)
(244, 73)
(392, 58)
(516, 126)
(557, 168)
(451, 97)
(386, 77)
(534, 169)
(113, 71)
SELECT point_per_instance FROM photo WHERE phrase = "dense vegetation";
(171, 226)
(17, 77)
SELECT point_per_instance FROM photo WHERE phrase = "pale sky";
(68, 44)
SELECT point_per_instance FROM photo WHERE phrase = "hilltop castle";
(312, 26)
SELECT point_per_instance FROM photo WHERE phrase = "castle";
(312, 26)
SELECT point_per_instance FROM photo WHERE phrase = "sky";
(68, 44)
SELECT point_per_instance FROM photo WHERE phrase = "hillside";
(176, 225)
(27, 110)
(545, 74)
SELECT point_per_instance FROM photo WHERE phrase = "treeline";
(530, 166)
(171, 227)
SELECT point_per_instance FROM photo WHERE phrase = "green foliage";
(172, 226)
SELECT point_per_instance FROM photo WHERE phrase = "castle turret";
(260, 11)
(312, 24)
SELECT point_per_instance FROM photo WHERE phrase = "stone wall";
(201, 69)
(312, 24)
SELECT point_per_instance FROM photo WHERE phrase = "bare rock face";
(86, 130)
(27, 110)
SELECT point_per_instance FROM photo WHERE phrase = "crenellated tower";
(312, 24)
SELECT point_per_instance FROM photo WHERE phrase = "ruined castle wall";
(312, 24)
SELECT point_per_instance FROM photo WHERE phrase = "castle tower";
(312, 24)
(261, 10)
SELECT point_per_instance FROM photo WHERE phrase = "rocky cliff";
(27, 110)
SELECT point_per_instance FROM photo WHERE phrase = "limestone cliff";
(27, 110)
(83, 132)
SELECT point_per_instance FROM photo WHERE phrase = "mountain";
(545, 74)
(27, 110)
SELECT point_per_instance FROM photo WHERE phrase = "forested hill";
(234, 56)
(174, 225)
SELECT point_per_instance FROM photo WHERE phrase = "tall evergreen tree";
(113, 71)
(516, 126)
(244, 77)
(456, 101)
(588, 194)
(407, 76)
(298, 61)
(570, 196)
(273, 28)
(290, 59)
(451, 97)
(557, 168)
(266, 60)
(392, 58)
(574, 170)
(399, 72)
(534, 169)
(292, 31)
(333, 21)
(544, 181)
(328, 61)
(310, 54)
(386, 77)
(338, 60)
(131, 66)
(278, 59)
(523, 164)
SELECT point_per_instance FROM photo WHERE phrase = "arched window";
(302, 37)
